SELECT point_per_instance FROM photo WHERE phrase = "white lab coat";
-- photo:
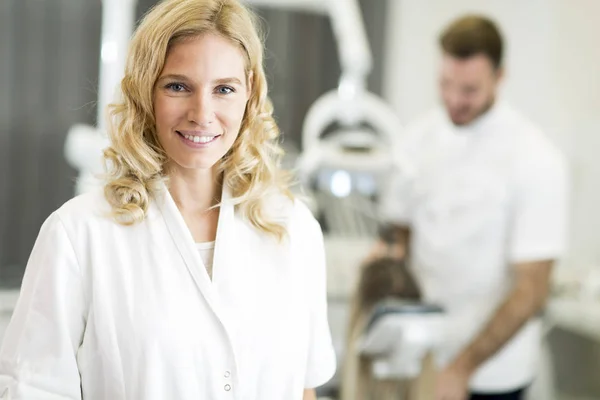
(114, 312)
(479, 199)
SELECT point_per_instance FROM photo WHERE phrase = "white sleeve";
(396, 197)
(38, 354)
(540, 214)
(321, 364)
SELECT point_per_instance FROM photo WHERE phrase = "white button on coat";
(132, 311)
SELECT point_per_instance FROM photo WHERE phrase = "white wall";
(553, 76)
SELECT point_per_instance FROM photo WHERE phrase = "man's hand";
(453, 383)
(309, 394)
(395, 244)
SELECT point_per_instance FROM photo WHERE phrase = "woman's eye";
(225, 90)
(176, 87)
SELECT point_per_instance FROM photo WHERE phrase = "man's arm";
(532, 282)
(309, 394)
(538, 232)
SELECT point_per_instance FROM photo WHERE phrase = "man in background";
(481, 202)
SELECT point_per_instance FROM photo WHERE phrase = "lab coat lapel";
(223, 257)
(186, 246)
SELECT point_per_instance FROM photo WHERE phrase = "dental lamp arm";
(84, 144)
(348, 28)
(349, 32)
(118, 19)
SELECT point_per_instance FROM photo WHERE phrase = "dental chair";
(399, 336)
(348, 146)
(393, 336)
(346, 160)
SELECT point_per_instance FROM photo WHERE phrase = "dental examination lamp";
(342, 169)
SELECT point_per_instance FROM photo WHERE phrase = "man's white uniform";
(478, 199)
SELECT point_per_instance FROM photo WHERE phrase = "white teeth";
(199, 139)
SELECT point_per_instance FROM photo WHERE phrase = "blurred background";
(50, 57)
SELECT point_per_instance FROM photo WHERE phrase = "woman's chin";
(193, 165)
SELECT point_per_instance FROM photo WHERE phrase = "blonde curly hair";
(135, 160)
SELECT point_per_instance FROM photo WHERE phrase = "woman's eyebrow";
(177, 77)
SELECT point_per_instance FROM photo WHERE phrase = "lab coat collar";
(186, 246)
(484, 122)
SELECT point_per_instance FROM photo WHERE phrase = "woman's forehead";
(208, 54)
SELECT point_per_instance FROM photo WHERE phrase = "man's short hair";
(472, 35)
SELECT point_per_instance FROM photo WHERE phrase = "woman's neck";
(195, 190)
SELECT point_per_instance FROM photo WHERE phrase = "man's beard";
(484, 109)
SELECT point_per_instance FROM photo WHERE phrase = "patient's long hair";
(379, 279)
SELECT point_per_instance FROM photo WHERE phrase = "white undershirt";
(207, 251)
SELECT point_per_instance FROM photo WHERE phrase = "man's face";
(468, 86)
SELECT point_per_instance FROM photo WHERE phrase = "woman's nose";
(201, 110)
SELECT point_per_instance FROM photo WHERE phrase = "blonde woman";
(194, 274)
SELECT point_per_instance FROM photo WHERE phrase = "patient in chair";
(384, 276)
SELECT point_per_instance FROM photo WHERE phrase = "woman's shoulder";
(77, 218)
(85, 208)
(302, 213)
(292, 212)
